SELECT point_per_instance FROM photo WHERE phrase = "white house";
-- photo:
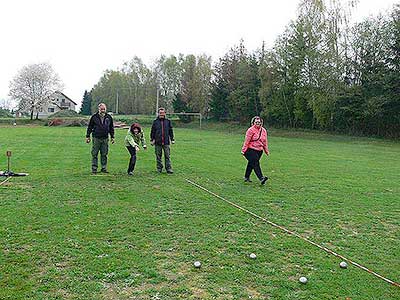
(58, 101)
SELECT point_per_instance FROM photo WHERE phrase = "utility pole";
(158, 96)
(116, 105)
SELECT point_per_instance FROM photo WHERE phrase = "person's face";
(161, 114)
(135, 130)
(257, 122)
(102, 109)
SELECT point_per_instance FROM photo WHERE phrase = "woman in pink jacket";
(255, 143)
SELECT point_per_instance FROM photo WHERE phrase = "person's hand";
(152, 142)
(88, 140)
(144, 147)
(112, 140)
(137, 148)
(267, 153)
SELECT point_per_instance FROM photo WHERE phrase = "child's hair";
(136, 125)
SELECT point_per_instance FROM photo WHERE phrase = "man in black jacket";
(100, 126)
(160, 136)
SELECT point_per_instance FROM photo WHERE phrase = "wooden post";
(8, 153)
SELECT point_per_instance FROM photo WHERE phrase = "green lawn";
(65, 234)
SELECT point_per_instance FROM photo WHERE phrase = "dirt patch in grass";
(63, 294)
(199, 293)
(254, 294)
(119, 291)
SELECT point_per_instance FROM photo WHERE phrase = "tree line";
(182, 83)
(323, 72)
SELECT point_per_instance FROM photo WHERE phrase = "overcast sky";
(83, 38)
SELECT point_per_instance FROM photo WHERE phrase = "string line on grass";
(5, 180)
(295, 234)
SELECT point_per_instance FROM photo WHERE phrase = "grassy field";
(66, 234)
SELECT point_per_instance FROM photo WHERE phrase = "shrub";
(4, 113)
(65, 113)
(76, 123)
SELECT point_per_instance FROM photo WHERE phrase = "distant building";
(58, 101)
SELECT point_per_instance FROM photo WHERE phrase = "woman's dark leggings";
(253, 157)
(132, 161)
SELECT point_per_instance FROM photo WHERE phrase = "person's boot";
(247, 179)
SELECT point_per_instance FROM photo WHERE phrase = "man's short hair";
(161, 108)
(101, 104)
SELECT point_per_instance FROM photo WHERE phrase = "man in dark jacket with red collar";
(161, 136)
(100, 126)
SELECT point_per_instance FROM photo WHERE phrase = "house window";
(50, 109)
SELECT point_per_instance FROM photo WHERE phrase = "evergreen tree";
(180, 105)
(86, 108)
(236, 86)
(219, 105)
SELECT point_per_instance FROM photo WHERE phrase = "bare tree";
(6, 104)
(33, 86)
